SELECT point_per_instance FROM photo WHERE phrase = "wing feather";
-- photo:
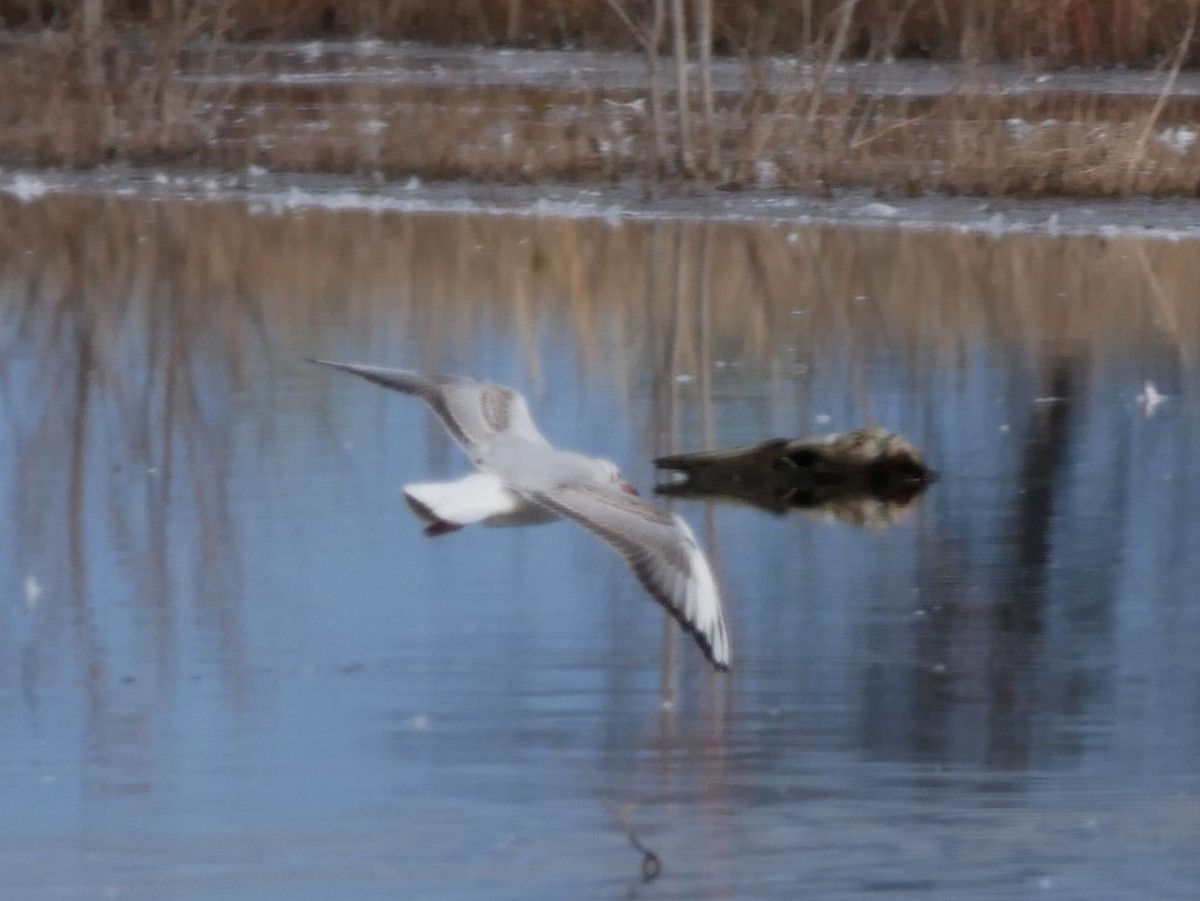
(661, 550)
(474, 413)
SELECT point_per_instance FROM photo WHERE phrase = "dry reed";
(135, 89)
(1064, 32)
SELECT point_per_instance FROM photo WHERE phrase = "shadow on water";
(221, 618)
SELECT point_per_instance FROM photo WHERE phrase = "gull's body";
(523, 480)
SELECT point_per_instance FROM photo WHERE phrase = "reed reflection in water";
(231, 664)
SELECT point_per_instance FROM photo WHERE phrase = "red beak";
(629, 489)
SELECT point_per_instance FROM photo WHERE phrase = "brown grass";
(84, 94)
(967, 142)
(1058, 32)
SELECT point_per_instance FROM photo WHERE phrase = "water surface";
(232, 668)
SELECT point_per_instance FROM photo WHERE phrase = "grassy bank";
(148, 83)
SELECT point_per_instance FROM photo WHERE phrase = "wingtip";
(725, 662)
(721, 664)
(703, 640)
(720, 656)
(359, 369)
(714, 638)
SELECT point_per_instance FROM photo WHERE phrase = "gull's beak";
(629, 489)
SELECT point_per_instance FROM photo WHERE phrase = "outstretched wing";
(660, 549)
(475, 413)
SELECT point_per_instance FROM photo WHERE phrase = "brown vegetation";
(969, 141)
(139, 82)
(1059, 32)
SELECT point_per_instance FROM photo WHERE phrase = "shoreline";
(269, 193)
(393, 111)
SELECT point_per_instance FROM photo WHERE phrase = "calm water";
(231, 667)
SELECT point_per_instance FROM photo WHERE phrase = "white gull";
(524, 480)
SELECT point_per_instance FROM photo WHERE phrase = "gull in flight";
(524, 480)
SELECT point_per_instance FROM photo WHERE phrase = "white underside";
(481, 497)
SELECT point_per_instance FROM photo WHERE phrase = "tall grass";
(1059, 32)
(116, 80)
(810, 140)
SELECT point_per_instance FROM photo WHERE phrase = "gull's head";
(610, 474)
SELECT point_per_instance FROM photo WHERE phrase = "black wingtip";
(701, 639)
(719, 666)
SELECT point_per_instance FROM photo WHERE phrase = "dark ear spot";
(495, 404)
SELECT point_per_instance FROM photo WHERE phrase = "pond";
(232, 667)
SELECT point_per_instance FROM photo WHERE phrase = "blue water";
(231, 667)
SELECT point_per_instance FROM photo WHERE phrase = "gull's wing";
(475, 413)
(659, 548)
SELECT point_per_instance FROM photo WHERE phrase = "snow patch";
(1020, 130)
(1179, 138)
(880, 210)
(27, 188)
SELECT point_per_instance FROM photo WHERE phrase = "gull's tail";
(474, 498)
